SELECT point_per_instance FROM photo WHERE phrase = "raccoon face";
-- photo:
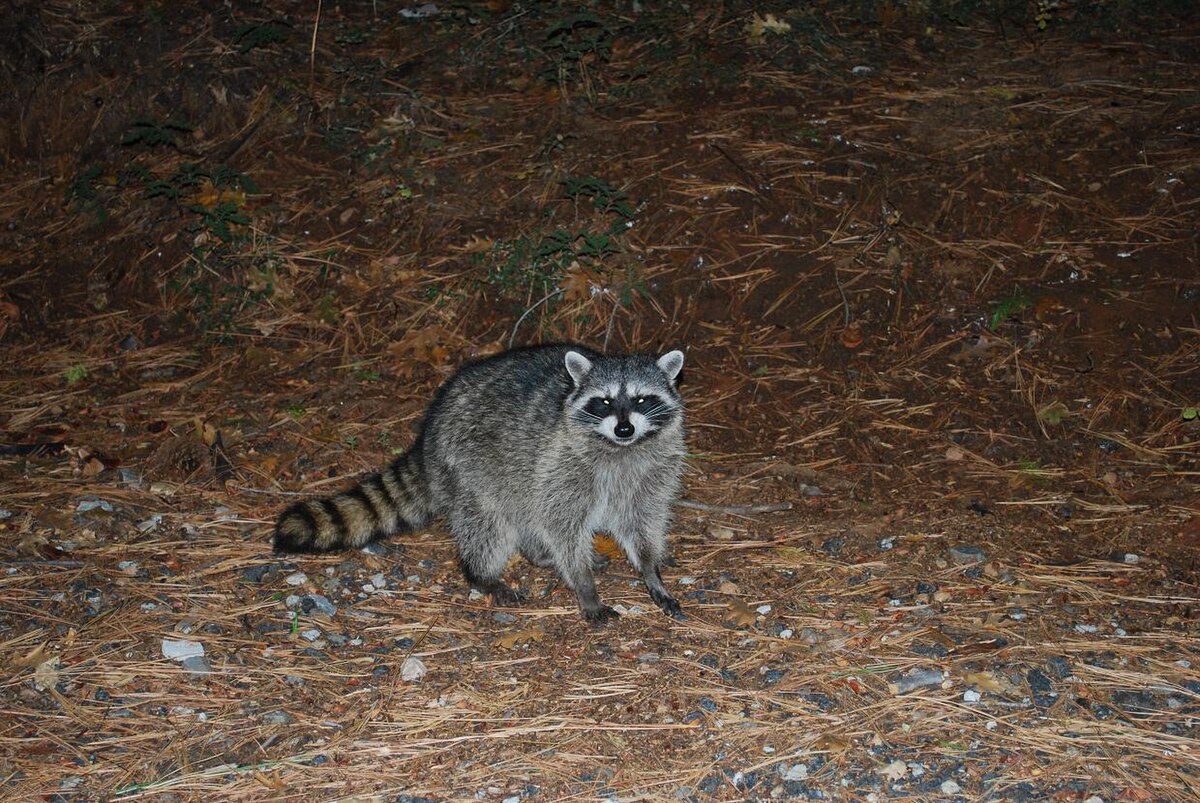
(624, 400)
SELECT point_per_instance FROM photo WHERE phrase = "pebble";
(312, 634)
(707, 704)
(277, 718)
(178, 649)
(972, 696)
(379, 581)
(1086, 628)
(91, 503)
(649, 658)
(950, 788)
(785, 633)
(504, 618)
(197, 666)
(887, 543)
(413, 669)
(310, 602)
(963, 554)
(763, 609)
(296, 579)
(128, 566)
(255, 574)
(917, 679)
(149, 525)
(796, 772)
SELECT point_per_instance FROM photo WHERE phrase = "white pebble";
(972, 696)
(413, 669)
(179, 649)
(296, 579)
(950, 788)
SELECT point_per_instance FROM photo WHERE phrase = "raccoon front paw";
(600, 616)
(506, 597)
(669, 605)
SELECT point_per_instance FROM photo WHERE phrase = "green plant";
(573, 40)
(605, 197)
(254, 35)
(76, 373)
(153, 133)
(1007, 307)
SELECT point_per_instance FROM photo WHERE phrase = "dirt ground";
(934, 266)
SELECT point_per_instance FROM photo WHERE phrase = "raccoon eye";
(607, 402)
(641, 400)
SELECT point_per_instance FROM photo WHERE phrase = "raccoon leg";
(647, 554)
(484, 547)
(575, 568)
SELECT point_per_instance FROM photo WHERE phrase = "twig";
(512, 337)
(737, 510)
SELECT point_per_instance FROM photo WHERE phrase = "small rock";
(1060, 666)
(277, 718)
(964, 554)
(197, 666)
(379, 581)
(413, 669)
(649, 658)
(296, 579)
(255, 574)
(1043, 690)
(861, 70)
(707, 704)
(887, 543)
(129, 477)
(312, 634)
(179, 649)
(796, 772)
(91, 503)
(128, 566)
(950, 788)
(310, 602)
(785, 633)
(972, 696)
(763, 609)
(149, 525)
(1086, 628)
(917, 679)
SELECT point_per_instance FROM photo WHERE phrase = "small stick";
(512, 337)
(737, 510)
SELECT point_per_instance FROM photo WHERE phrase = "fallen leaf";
(894, 771)
(984, 681)
(510, 640)
(831, 743)
(742, 614)
(758, 27)
(852, 336)
(720, 532)
(579, 284)
(46, 675)
(955, 453)
(31, 658)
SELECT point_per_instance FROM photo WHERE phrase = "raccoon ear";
(577, 366)
(671, 364)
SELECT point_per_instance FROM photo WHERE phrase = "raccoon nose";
(623, 430)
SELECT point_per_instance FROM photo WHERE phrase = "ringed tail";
(395, 499)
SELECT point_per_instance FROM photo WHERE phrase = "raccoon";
(528, 452)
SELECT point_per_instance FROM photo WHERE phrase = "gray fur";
(511, 458)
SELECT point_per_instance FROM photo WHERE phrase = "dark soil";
(935, 270)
